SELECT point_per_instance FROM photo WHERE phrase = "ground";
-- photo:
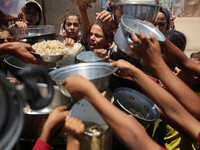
(190, 26)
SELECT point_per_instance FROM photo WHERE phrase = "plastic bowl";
(11, 7)
(33, 31)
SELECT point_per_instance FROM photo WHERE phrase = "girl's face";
(96, 38)
(72, 27)
(32, 14)
(5, 37)
(161, 22)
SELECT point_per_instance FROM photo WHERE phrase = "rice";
(51, 47)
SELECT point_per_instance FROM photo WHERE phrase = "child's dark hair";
(177, 38)
(107, 30)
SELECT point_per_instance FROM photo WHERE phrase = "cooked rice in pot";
(50, 47)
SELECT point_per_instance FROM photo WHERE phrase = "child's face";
(96, 38)
(5, 37)
(161, 22)
(32, 14)
(72, 27)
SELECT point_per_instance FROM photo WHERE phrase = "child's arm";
(55, 120)
(126, 128)
(75, 133)
(150, 52)
(85, 22)
(166, 102)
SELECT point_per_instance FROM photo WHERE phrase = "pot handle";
(129, 41)
(29, 77)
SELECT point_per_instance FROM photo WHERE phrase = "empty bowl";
(99, 73)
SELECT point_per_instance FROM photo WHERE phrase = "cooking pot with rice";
(35, 119)
(12, 98)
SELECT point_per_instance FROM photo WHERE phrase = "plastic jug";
(11, 7)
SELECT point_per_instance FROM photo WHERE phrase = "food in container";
(51, 50)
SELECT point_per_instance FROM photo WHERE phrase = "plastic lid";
(11, 7)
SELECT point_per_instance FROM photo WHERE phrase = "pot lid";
(11, 114)
(131, 24)
(137, 104)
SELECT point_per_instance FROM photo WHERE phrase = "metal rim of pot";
(14, 115)
(154, 106)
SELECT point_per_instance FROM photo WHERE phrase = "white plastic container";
(11, 7)
(69, 58)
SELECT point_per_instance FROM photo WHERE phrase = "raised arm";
(171, 108)
(179, 58)
(149, 51)
(21, 51)
(85, 22)
(131, 133)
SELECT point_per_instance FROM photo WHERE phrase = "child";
(57, 119)
(32, 15)
(71, 25)
(98, 36)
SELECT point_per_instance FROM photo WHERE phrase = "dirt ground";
(190, 26)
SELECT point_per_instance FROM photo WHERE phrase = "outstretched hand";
(149, 49)
(77, 86)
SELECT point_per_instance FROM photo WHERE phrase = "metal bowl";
(143, 11)
(136, 104)
(88, 56)
(48, 58)
(14, 65)
(99, 73)
(34, 120)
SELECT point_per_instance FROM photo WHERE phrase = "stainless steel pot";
(136, 104)
(12, 100)
(34, 120)
(127, 27)
(88, 57)
(14, 65)
(143, 11)
(99, 73)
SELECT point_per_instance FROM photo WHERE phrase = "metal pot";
(34, 120)
(136, 104)
(143, 11)
(127, 27)
(14, 65)
(12, 100)
(88, 57)
(99, 73)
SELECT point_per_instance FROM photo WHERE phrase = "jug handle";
(28, 76)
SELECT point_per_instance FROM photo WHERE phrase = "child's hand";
(77, 86)
(74, 128)
(123, 68)
(56, 118)
(68, 42)
(100, 52)
(106, 18)
(149, 49)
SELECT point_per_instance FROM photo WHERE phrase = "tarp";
(191, 8)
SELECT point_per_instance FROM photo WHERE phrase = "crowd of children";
(178, 97)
